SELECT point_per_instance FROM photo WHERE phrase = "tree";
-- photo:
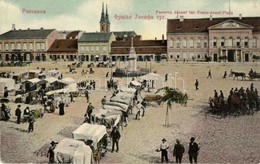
(172, 95)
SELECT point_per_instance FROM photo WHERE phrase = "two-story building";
(236, 39)
(26, 45)
(95, 46)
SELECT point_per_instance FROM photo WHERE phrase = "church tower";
(107, 21)
(104, 20)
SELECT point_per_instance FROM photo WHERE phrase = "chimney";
(210, 17)
(13, 26)
(181, 18)
(155, 38)
(28, 28)
(41, 28)
(240, 16)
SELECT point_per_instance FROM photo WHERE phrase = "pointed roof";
(64, 45)
(27, 34)
(102, 19)
(107, 17)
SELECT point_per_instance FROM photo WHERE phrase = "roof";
(122, 34)
(202, 24)
(27, 34)
(141, 47)
(72, 35)
(95, 37)
(64, 45)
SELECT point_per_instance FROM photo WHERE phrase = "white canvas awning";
(90, 132)
(34, 80)
(72, 151)
(150, 76)
(135, 83)
(6, 82)
(51, 79)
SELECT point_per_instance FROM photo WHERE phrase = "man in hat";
(115, 135)
(178, 151)
(61, 107)
(31, 122)
(18, 114)
(164, 150)
(89, 111)
(193, 150)
(50, 153)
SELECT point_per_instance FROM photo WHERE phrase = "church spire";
(107, 17)
(102, 19)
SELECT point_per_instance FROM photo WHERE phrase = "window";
(238, 41)
(184, 55)
(205, 43)
(222, 41)
(246, 42)
(254, 42)
(171, 56)
(81, 48)
(198, 43)
(198, 56)
(178, 43)
(192, 55)
(38, 46)
(191, 43)
(214, 43)
(171, 43)
(24, 46)
(6, 46)
(184, 43)
(97, 48)
(87, 48)
(178, 56)
(92, 48)
(104, 48)
(12, 46)
(230, 42)
(30, 46)
(43, 46)
(18, 46)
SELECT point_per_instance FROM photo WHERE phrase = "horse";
(237, 74)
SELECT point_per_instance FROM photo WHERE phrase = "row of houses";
(236, 38)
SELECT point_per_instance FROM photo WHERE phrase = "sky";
(147, 18)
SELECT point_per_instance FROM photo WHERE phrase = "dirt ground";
(234, 139)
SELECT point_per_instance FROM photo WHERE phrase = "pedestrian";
(103, 101)
(50, 153)
(193, 150)
(197, 84)
(252, 87)
(61, 107)
(6, 92)
(178, 151)
(221, 94)
(5, 112)
(71, 97)
(18, 114)
(215, 94)
(107, 74)
(209, 74)
(115, 135)
(31, 123)
(164, 150)
(89, 111)
(87, 95)
(94, 84)
(166, 77)
(225, 75)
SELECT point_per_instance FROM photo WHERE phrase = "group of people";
(178, 151)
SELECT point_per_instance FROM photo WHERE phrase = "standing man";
(31, 122)
(18, 114)
(197, 84)
(50, 153)
(89, 111)
(164, 150)
(115, 135)
(71, 97)
(209, 74)
(103, 101)
(193, 150)
(5, 92)
(61, 106)
(87, 95)
(166, 77)
(178, 151)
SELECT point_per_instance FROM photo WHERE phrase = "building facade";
(95, 46)
(146, 50)
(232, 39)
(26, 45)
